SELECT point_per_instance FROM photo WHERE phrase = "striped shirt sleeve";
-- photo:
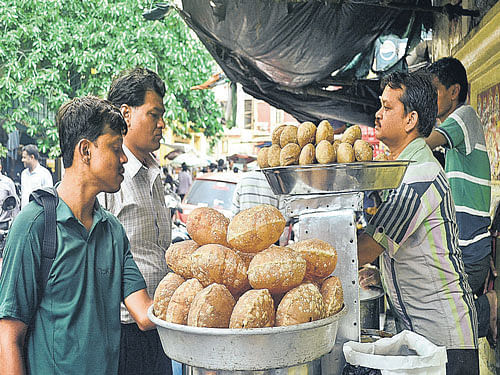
(397, 218)
(453, 131)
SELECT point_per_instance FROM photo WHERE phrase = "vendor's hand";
(369, 276)
(493, 268)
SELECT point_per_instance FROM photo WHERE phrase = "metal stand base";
(331, 218)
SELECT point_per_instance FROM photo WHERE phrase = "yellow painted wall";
(479, 51)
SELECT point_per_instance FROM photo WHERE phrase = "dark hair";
(85, 118)
(184, 166)
(130, 87)
(449, 71)
(418, 95)
(32, 150)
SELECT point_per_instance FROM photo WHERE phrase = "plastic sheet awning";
(311, 59)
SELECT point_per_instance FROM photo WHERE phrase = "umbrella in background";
(173, 154)
(241, 158)
(191, 159)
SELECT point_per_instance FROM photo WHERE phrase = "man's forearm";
(12, 334)
(435, 139)
(137, 304)
(368, 249)
(11, 360)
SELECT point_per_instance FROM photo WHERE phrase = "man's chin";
(112, 189)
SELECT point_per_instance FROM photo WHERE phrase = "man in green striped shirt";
(467, 168)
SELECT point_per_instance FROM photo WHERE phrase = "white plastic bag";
(405, 353)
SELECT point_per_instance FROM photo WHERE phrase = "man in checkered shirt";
(140, 207)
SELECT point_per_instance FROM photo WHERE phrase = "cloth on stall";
(286, 53)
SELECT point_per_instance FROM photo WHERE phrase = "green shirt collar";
(413, 148)
(64, 213)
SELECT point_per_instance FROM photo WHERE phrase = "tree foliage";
(54, 50)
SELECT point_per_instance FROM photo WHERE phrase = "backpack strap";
(48, 199)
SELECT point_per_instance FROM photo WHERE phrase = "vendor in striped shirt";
(415, 230)
(467, 168)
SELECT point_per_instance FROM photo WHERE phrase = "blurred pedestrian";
(35, 176)
(252, 190)
(185, 181)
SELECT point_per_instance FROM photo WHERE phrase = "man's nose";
(161, 123)
(123, 158)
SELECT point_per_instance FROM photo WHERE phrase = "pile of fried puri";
(308, 144)
(230, 275)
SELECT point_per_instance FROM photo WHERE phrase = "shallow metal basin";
(247, 349)
(336, 177)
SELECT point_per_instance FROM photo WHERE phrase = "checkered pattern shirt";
(140, 207)
(252, 190)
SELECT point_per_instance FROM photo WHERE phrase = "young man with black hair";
(74, 326)
(415, 230)
(467, 168)
(140, 206)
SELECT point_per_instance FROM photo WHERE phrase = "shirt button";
(380, 229)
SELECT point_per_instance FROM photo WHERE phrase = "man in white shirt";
(140, 206)
(35, 176)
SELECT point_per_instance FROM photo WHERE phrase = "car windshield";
(215, 194)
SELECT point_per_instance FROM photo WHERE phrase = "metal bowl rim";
(357, 164)
(245, 331)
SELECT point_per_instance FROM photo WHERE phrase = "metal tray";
(247, 349)
(336, 177)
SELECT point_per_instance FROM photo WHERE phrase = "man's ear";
(126, 113)
(455, 91)
(82, 151)
(411, 121)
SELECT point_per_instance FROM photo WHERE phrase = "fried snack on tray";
(212, 307)
(289, 154)
(325, 152)
(288, 135)
(254, 309)
(206, 225)
(164, 291)
(300, 305)
(215, 263)
(324, 132)
(273, 156)
(180, 303)
(306, 133)
(320, 256)
(178, 257)
(363, 151)
(307, 155)
(255, 229)
(262, 157)
(333, 295)
(278, 269)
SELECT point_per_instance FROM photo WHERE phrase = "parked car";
(211, 190)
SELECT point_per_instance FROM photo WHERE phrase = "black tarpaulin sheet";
(289, 53)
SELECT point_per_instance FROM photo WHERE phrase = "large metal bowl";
(247, 349)
(336, 177)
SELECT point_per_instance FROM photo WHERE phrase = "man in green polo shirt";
(467, 168)
(74, 327)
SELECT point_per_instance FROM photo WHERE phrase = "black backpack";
(47, 198)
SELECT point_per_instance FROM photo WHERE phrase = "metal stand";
(331, 218)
